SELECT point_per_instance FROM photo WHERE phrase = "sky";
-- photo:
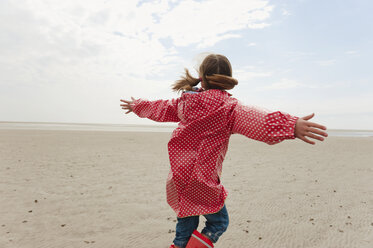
(72, 61)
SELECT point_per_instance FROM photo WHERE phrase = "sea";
(137, 128)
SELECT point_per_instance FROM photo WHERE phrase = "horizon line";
(144, 125)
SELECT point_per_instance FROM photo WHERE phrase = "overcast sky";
(71, 61)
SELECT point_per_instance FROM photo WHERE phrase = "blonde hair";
(215, 71)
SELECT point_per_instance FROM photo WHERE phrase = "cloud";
(285, 12)
(328, 62)
(213, 40)
(352, 52)
(286, 83)
(66, 54)
(281, 85)
(258, 25)
(248, 73)
(120, 35)
(47, 39)
(295, 56)
(194, 22)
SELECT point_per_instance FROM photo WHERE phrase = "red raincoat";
(198, 145)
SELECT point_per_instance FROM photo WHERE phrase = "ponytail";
(185, 83)
(219, 81)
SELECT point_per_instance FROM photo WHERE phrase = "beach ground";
(107, 189)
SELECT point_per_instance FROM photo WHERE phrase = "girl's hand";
(127, 105)
(305, 128)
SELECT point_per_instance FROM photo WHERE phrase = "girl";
(207, 116)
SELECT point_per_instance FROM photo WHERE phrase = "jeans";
(216, 225)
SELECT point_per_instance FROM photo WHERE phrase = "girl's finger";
(308, 117)
(316, 137)
(307, 140)
(317, 131)
(133, 99)
(312, 124)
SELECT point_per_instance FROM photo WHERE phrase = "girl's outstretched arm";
(159, 110)
(273, 127)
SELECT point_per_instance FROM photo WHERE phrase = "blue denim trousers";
(216, 225)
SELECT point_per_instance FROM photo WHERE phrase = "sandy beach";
(107, 189)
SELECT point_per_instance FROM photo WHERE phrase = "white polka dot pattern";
(198, 145)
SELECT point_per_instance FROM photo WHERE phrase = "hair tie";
(200, 79)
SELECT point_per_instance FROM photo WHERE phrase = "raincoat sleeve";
(262, 125)
(159, 110)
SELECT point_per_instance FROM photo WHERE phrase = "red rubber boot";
(197, 240)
